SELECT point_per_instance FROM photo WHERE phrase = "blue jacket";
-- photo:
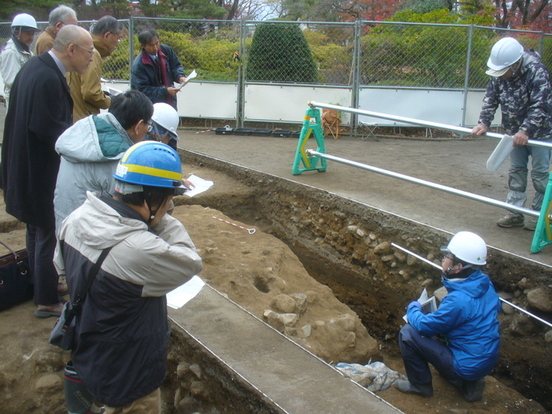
(467, 318)
(145, 79)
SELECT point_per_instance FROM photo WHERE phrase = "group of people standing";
(87, 171)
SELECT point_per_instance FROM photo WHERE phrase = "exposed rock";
(196, 369)
(540, 298)
(522, 325)
(440, 293)
(411, 260)
(274, 320)
(289, 319)
(198, 389)
(507, 309)
(306, 330)
(548, 336)
(301, 300)
(182, 369)
(48, 383)
(284, 303)
(383, 248)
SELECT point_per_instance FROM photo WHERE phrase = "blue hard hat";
(150, 163)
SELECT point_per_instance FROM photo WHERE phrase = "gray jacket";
(90, 151)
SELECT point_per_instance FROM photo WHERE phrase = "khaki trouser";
(150, 404)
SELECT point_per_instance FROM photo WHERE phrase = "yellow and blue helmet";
(151, 164)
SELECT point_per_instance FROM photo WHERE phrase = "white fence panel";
(289, 103)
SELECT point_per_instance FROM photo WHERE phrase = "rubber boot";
(473, 390)
(424, 390)
(77, 397)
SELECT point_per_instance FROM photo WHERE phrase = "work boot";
(424, 390)
(511, 220)
(473, 390)
(531, 224)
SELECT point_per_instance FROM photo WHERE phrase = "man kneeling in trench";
(461, 338)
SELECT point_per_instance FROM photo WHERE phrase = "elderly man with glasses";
(86, 89)
(40, 110)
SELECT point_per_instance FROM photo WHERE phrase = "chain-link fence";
(356, 55)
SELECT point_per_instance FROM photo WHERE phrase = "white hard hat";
(504, 54)
(166, 117)
(468, 247)
(25, 21)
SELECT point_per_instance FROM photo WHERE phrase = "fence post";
(312, 124)
(467, 77)
(130, 47)
(356, 69)
(240, 99)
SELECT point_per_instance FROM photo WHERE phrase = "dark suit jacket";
(40, 109)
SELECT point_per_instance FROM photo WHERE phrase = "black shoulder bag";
(63, 334)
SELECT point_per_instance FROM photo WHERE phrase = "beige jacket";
(86, 90)
(45, 41)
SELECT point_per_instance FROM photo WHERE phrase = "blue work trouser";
(418, 351)
(517, 179)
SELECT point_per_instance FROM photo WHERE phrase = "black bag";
(15, 282)
(63, 334)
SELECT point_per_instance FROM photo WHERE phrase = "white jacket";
(90, 151)
(11, 61)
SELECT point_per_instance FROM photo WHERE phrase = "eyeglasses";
(119, 36)
(150, 126)
(91, 51)
(447, 256)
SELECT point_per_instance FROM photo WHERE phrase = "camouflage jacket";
(524, 99)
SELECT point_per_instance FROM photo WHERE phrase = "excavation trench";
(345, 245)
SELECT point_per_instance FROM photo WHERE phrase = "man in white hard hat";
(16, 51)
(461, 338)
(59, 17)
(520, 84)
(40, 110)
(164, 125)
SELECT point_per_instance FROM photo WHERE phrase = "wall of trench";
(346, 245)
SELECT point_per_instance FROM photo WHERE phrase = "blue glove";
(414, 304)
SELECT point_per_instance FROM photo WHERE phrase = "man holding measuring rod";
(461, 338)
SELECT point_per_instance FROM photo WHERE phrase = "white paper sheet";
(502, 150)
(201, 185)
(183, 294)
(188, 79)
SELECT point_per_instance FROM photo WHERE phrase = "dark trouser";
(41, 243)
(418, 351)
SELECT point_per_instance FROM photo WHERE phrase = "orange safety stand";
(331, 122)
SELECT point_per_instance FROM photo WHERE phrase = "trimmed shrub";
(280, 53)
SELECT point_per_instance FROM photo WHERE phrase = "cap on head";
(166, 117)
(24, 22)
(468, 247)
(151, 164)
(504, 54)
